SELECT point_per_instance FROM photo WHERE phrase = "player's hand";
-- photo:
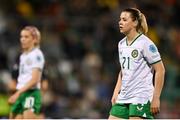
(155, 105)
(13, 98)
(113, 99)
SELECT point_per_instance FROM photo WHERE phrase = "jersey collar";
(133, 40)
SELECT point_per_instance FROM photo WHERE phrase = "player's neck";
(29, 50)
(131, 36)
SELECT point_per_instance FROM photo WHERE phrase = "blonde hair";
(35, 34)
(136, 15)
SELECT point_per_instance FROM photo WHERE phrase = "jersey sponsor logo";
(134, 53)
(152, 48)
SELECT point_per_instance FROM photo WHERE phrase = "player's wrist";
(19, 92)
(156, 96)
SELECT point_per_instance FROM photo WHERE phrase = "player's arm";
(159, 82)
(12, 85)
(117, 88)
(36, 75)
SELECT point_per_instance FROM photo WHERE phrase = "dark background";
(79, 40)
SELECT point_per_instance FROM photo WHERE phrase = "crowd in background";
(79, 40)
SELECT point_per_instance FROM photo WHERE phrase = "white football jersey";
(29, 61)
(136, 60)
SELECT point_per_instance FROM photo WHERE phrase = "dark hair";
(136, 15)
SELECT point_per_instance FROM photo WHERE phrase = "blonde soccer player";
(26, 101)
(134, 95)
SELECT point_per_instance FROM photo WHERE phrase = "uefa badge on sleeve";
(152, 48)
(38, 58)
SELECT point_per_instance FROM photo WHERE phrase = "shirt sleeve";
(151, 52)
(38, 61)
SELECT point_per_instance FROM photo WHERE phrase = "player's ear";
(135, 23)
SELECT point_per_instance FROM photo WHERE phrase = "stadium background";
(79, 40)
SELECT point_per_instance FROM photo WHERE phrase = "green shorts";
(30, 99)
(131, 110)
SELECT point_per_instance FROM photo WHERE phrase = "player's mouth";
(120, 27)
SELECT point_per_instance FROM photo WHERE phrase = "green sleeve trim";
(155, 62)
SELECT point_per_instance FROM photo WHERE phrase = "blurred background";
(79, 40)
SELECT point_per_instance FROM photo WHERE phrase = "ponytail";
(142, 26)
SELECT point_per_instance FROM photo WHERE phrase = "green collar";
(133, 40)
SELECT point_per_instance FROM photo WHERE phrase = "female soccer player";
(27, 99)
(134, 94)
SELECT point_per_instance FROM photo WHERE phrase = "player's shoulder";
(37, 51)
(145, 39)
(147, 43)
(38, 55)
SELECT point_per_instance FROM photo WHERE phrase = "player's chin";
(122, 31)
(23, 46)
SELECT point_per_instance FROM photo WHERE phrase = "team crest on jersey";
(152, 48)
(134, 53)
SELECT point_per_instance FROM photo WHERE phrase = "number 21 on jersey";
(126, 62)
